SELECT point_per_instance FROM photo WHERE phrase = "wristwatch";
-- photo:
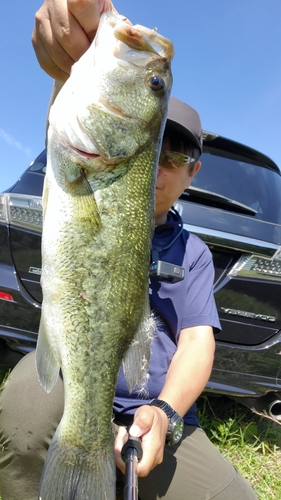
(175, 427)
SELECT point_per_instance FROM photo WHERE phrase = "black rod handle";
(131, 454)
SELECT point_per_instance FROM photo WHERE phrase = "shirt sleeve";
(200, 307)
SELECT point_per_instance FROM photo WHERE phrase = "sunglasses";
(171, 159)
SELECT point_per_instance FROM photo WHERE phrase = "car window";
(253, 185)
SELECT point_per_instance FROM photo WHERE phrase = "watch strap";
(164, 406)
(176, 423)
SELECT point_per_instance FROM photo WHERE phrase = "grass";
(4, 373)
(251, 441)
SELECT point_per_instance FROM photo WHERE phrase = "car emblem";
(35, 270)
(247, 314)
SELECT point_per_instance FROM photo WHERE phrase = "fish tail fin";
(136, 359)
(70, 473)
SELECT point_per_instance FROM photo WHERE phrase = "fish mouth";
(85, 154)
(80, 152)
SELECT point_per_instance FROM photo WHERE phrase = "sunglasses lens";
(171, 160)
(178, 159)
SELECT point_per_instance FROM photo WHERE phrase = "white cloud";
(13, 142)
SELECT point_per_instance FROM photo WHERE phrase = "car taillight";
(21, 210)
(3, 215)
(256, 267)
(6, 296)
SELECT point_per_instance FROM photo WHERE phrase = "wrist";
(175, 422)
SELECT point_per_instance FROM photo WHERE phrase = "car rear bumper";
(22, 341)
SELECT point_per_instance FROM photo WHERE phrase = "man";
(188, 467)
(181, 362)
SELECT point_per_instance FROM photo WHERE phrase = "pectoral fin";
(46, 363)
(136, 360)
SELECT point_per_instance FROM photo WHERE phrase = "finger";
(153, 451)
(58, 39)
(120, 440)
(87, 14)
(58, 65)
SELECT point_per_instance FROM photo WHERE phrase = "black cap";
(186, 120)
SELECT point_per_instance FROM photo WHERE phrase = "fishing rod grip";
(131, 454)
(135, 444)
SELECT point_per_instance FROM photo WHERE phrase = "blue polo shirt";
(176, 306)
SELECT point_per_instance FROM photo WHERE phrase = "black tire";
(8, 357)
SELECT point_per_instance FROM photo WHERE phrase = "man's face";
(171, 182)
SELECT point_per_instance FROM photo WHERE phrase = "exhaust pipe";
(274, 410)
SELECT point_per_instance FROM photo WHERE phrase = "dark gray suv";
(234, 205)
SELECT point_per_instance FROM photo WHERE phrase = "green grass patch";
(4, 372)
(252, 442)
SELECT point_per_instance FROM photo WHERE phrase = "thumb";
(87, 14)
(135, 431)
(143, 421)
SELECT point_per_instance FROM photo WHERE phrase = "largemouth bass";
(104, 138)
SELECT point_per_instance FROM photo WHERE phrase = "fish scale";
(98, 205)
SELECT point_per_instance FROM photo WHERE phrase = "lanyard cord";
(155, 250)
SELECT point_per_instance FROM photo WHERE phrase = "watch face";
(177, 432)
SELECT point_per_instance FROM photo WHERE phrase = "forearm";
(190, 368)
(187, 376)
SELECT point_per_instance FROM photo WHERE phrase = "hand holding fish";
(64, 30)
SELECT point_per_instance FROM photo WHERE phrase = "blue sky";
(227, 65)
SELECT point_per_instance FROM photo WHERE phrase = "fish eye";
(156, 83)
